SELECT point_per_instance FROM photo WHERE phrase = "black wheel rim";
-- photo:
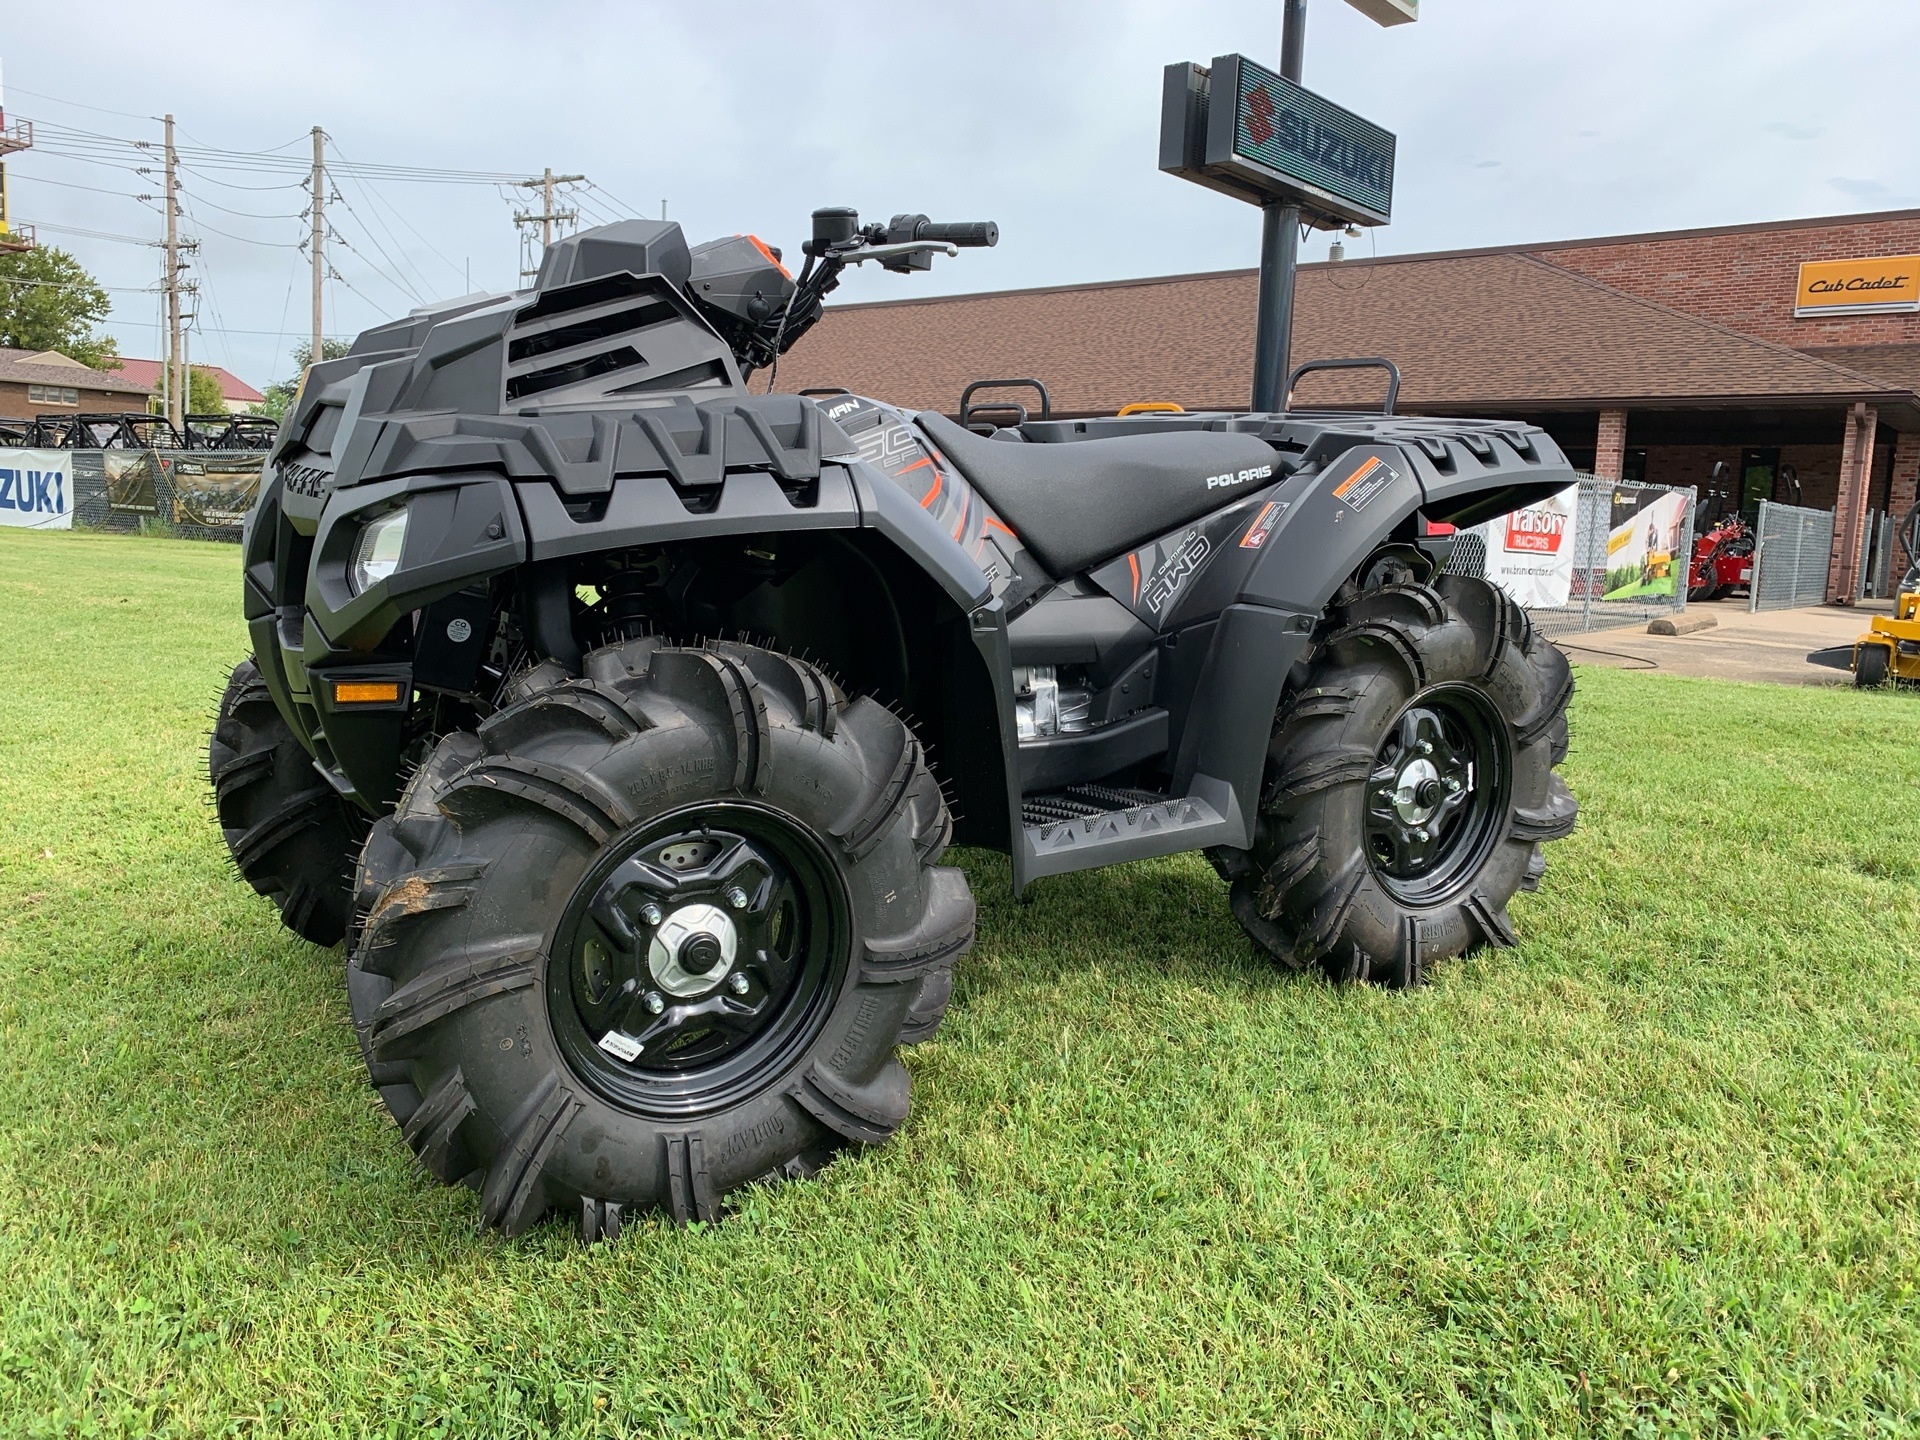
(1437, 794)
(697, 958)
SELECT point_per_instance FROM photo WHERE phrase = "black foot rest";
(1082, 802)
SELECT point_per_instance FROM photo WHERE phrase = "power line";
(374, 196)
(79, 285)
(92, 234)
(70, 185)
(78, 105)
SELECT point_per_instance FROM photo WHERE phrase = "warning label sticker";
(1373, 476)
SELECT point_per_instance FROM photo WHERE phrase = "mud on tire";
(290, 834)
(1339, 875)
(523, 902)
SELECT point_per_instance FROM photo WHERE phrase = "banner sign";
(1641, 545)
(214, 488)
(36, 489)
(1887, 284)
(1243, 130)
(1530, 552)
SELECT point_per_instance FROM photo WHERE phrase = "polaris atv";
(597, 700)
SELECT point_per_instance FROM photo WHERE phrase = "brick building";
(45, 382)
(1646, 356)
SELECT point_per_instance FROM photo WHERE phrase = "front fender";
(1326, 526)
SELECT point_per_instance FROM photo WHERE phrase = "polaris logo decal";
(304, 480)
(1258, 472)
(1373, 476)
(1166, 582)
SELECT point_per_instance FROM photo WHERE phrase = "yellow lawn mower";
(1890, 648)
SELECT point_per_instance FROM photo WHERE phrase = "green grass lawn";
(1653, 1172)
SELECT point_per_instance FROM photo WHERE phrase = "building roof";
(50, 367)
(233, 389)
(1492, 331)
(1895, 364)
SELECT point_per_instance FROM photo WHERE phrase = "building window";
(52, 395)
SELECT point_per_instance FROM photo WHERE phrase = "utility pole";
(316, 238)
(1279, 247)
(175, 389)
(545, 219)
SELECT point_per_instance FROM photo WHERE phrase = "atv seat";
(1075, 503)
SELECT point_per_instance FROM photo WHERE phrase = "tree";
(204, 396)
(279, 395)
(49, 302)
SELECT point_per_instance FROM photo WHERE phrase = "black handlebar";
(969, 233)
(979, 233)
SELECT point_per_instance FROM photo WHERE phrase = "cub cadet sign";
(1887, 284)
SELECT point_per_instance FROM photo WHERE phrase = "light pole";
(1279, 246)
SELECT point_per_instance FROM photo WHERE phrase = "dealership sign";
(1886, 284)
(1239, 128)
(1530, 552)
(36, 489)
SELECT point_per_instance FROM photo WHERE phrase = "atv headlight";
(378, 554)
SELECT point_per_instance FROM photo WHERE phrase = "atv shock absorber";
(630, 597)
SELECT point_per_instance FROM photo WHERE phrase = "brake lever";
(896, 251)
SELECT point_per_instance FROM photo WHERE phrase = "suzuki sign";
(36, 489)
(1274, 142)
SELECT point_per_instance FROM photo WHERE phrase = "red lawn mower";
(1723, 549)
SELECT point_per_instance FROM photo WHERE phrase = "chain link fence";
(1631, 545)
(1791, 550)
(192, 494)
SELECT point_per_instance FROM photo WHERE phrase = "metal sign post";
(1279, 247)
(1259, 136)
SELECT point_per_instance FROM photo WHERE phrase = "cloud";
(1796, 132)
(1848, 186)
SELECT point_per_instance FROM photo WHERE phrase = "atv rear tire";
(654, 934)
(1409, 787)
(290, 833)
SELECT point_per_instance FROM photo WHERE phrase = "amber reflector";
(366, 692)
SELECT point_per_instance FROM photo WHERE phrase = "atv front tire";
(1410, 786)
(653, 934)
(290, 833)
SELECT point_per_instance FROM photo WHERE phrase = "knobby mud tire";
(464, 887)
(291, 835)
(1307, 892)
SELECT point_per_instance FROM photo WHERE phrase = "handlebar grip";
(978, 233)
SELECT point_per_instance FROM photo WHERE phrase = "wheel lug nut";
(654, 1003)
(1453, 784)
(1426, 747)
(737, 983)
(736, 897)
(650, 913)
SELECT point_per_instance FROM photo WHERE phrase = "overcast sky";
(1518, 120)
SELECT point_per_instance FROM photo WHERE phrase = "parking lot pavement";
(1771, 646)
